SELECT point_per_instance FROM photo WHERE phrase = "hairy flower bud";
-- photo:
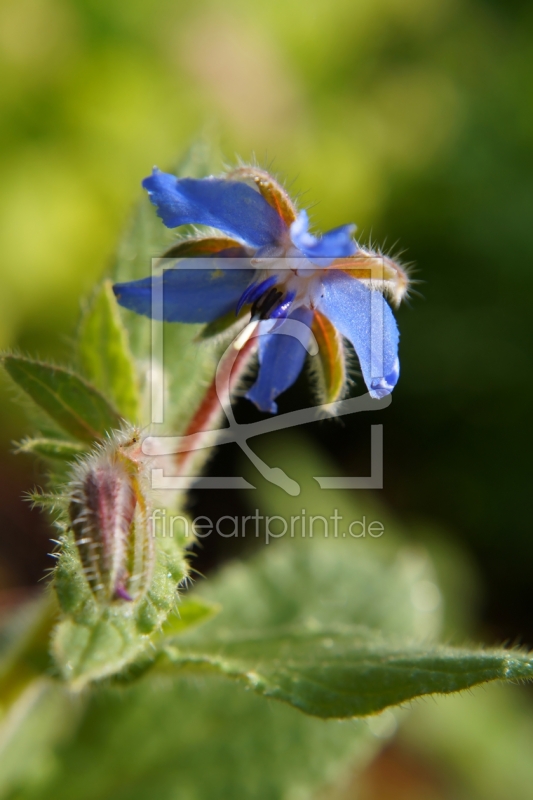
(109, 517)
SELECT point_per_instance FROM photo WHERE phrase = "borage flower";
(267, 263)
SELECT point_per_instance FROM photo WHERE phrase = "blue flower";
(296, 286)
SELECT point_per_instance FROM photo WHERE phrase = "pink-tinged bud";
(109, 517)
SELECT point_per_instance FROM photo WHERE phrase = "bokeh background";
(412, 118)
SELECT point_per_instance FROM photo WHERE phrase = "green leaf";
(96, 641)
(39, 719)
(349, 673)
(335, 625)
(52, 448)
(90, 652)
(481, 740)
(317, 582)
(191, 738)
(69, 400)
(105, 355)
(24, 643)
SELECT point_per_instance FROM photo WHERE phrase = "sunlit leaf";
(52, 448)
(69, 400)
(105, 355)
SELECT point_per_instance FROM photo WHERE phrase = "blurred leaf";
(154, 738)
(350, 673)
(331, 624)
(51, 448)
(41, 717)
(24, 645)
(201, 739)
(104, 353)
(323, 581)
(481, 741)
(74, 404)
(32, 711)
(287, 625)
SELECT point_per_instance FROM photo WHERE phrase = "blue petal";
(282, 354)
(232, 207)
(364, 317)
(188, 293)
(337, 243)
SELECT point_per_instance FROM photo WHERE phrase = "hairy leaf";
(69, 400)
(105, 355)
(349, 673)
(191, 738)
(52, 448)
(97, 640)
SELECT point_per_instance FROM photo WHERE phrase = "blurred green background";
(411, 118)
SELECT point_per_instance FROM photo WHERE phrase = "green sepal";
(221, 324)
(328, 364)
(90, 652)
(95, 640)
(199, 246)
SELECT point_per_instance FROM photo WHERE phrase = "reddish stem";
(230, 371)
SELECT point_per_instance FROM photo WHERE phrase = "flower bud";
(109, 517)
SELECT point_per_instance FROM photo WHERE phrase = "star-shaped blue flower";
(295, 285)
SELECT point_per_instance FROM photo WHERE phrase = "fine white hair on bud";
(109, 517)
